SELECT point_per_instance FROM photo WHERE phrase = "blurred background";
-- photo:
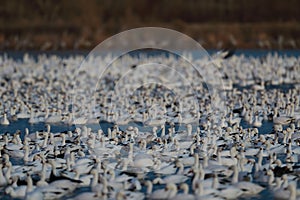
(216, 24)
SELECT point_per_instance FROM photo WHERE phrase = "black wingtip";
(229, 52)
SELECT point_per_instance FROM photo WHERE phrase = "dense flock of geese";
(211, 157)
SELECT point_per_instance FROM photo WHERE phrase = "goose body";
(289, 193)
(19, 192)
(283, 120)
(169, 192)
(185, 195)
(4, 120)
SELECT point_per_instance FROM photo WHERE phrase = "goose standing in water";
(257, 122)
(4, 120)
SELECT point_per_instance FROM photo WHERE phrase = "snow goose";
(283, 120)
(234, 120)
(185, 195)
(88, 195)
(289, 193)
(177, 178)
(245, 187)
(230, 192)
(61, 187)
(189, 160)
(14, 150)
(97, 187)
(260, 86)
(20, 191)
(7, 173)
(164, 168)
(130, 195)
(112, 182)
(271, 177)
(207, 193)
(142, 160)
(4, 120)
(42, 182)
(257, 122)
(3, 180)
(54, 118)
(46, 192)
(169, 192)
(33, 119)
(225, 161)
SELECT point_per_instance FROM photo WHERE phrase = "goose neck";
(149, 187)
(235, 175)
(29, 184)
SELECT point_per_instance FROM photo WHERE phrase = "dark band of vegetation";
(76, 24)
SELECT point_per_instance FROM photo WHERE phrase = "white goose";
(20, 191)
(257, 122)
(3, 180)
(201, 193)
(289, 193)
(169, 192)
(42, 182)
(4, 120)
(95, 186)
(54, 118)
(54, 190)
(164, 168)
(185, 195)
(142, 160)
(89, 195)
(282, 120)
(246, 187)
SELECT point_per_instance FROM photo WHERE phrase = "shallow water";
(17, 55)
(21, 124)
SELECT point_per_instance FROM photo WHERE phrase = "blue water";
(17, 55)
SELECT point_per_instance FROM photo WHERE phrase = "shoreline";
(267, 36)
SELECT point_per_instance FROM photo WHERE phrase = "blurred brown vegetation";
(82, 24)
